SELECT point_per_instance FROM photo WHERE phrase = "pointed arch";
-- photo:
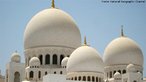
(93, 79)
(55, 59)
(55, 72)
(41, 59)
(114, 72)
(75, 78)
(96, 79)
(110, 74)
(119, 71)
(124, 71)
(39, 74)
(31, 74)
(79, 78)
(47, 59)
(88, 78)
(61, 72)
(46, 73)
(61, 58)
(84, 78)
(134, 81)
(16, 77)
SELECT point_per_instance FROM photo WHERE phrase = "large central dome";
(52, 27)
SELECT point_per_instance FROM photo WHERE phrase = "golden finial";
(122, 32)
(53, 4)
(85, 41)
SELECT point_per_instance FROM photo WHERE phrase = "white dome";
(131, 68)
(140, 74)
(34, 61)
(117, 74)
(85, 59)
(27, 68)
(64, 61)
(52, 27)
(123, 50)
(15, 57)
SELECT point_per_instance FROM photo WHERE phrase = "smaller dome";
(34, 61)
(106, 80)
(131, 68)
(117, 74)
(85, 59)
(15, 57)
(64, 61)
(123, 50)
(27, 68)
(139, 73)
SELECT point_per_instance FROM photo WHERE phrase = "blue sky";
(100, 22)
